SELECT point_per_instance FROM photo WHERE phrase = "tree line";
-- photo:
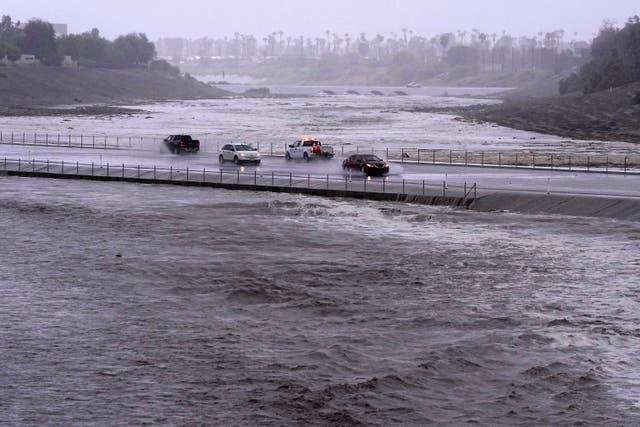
(463, 52)
(615, 60)
(38, 37)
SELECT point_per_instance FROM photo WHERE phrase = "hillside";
(606, 115)
(48, 86)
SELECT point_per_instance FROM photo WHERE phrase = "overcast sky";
(215, 18)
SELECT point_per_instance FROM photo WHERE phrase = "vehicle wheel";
(287, 156)
(221, 159)
(305, 156)
(235, 160)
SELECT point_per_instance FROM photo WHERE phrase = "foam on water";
(167, 305)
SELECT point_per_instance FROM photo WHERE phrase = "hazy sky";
(215, 18)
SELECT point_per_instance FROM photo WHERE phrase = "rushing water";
(130, 304)
(344, 120)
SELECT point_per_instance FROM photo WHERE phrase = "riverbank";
(32, 90)
(610, 115)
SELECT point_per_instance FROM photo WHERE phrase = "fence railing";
(255, 178)
(613, 162)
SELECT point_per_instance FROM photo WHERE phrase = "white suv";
(239, 153)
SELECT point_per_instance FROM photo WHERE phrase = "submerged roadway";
(507, 179)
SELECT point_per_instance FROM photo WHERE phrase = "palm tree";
(461, 36)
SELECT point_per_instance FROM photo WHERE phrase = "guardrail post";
(607, 165)
(23, 138)
(47, 165)
(465, 158)
(418, 156)
(346, 183)
(551, 160)
(444, 188)
(434, 157)
(62, 168)
(33, 165)
(402, 186)
(12, 137)
(91, 168)
(77, 168)
(170, 173)
(154, 171)
(138, 171)
(238, 177)
(327, 181)
(533, 159)
(204, 177)
(516, 159)
(81, 139)
(383, 185)
(18, 165)
(220, 176)
(569, 162)
(69, 140)
(465, 189)
(402, 156)
(588, 161)
(482, 158)
(255, 177)
(387, 153)
(107, 169)
(365, 183)
(499, 159)
(423, 187)
(625, 164)
(46, 138)
(187, 174)
(272, 179)
(123, 170)
(290, 179)
(450, 157)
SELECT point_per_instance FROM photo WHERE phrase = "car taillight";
(181, 144)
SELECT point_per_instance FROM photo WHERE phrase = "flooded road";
(134, 304)
(347, 121)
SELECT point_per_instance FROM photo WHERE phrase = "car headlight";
(241, 154)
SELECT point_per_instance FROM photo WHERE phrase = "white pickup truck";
(308, 148)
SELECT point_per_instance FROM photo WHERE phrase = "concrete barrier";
(326, 192)
(623, 208)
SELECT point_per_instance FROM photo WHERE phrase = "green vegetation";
(37, 37)
(615, 60)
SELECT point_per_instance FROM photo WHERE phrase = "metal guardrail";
(619, 163)
(257, 179)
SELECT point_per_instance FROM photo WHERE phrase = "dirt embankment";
(611, 115)
(41, 87)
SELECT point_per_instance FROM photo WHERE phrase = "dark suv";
(179, 143)
(369, 164)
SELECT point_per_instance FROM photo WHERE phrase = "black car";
(369, 164)
(182, 143)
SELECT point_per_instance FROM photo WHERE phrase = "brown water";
(130, 304)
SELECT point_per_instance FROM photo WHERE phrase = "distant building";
(27, 59)
(68, 62)
(59, 29)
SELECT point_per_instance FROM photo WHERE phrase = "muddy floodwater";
(349, 118)
(128, 304)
